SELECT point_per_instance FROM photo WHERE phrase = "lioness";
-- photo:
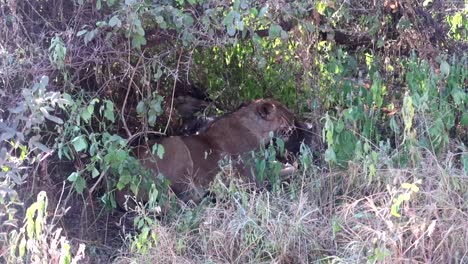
(190, 163)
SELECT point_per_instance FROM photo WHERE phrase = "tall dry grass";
(326, 217)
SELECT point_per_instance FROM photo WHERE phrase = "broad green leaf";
(90, 36)
(80, 143)
(444, 69)
(274, 31)
(459, 96)
(263, 11)
(406, 185)
(138, 40)
(394, 210)
(7, 135)
(115, 21)
(41, 146)
(394, 126)
(405, 196)
(73, 176)
(339, 126)
(160, 151)
(81, 32)
(80, 184)
(50, 117)
(95, 172)
(321, 6)
(330, 155)
(44, 81)
(231, 30)
(140, 107)
(152, 115)
(109, 112)
(188, 19)
(464, 160)
(464, 119)
(124, 179)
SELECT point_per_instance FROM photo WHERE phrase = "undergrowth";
(324, 217)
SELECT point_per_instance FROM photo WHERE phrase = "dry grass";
(325, 217)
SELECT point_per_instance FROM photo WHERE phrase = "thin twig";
(91, 190)
(129, 134)
(134, 136)
(176, 74)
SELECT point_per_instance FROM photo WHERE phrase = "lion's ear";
(266, 110)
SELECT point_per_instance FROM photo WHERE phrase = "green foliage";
(410, 189)
(255, 68)
(21, 144)
(38, 241)
(58, 52)
(458, 24)
(265, 166)
(150, 108)
(108, 153)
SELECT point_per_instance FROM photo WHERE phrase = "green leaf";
(73, 176)
(85, 115)
(339, 126)
(95, 172)
(458, 96)
(140, 107)
(464, 119)
(160, 151)
(444, 69)
(464, 160)
(244, 4)
(274, 31)
(330, 155)
(115, 21)
(101, 24)
(81, 32)
(90, 36)
(152, 115)
(109, 112)
(124, 179)
(309, 26)
(394, 126)
(231, 30)
(41, 146)
(263, 11)
(188, 19)
(138, 41)
(405, 197)
(44, 81)
(50, 117)
(394, 210)
(156, 76)
(7, 135)
(321, 6)
(80, 184)
(80, 143)
(406, 185)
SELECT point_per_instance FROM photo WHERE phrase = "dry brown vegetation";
(324, 217)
